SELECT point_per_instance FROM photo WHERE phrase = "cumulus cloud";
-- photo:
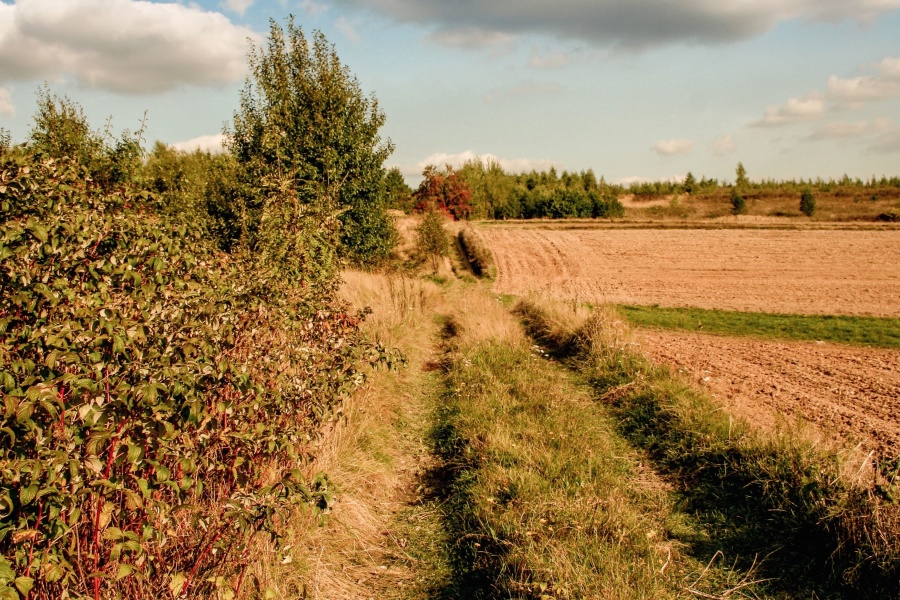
(841, 93)
(129, 46)
(206, 143)
(723, 145)
(528, 88)
(347, 29)
(238, 6)
(672, 147)
(635, 24)
(793, 111)
(885, 83)
(6, 104)
(513, 165)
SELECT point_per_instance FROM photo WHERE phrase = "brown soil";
(847, 392)
(784, 271)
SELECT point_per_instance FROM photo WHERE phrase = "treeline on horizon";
(491, 192)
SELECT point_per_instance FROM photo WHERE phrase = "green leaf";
(124, 571)
(176, 583)
(28, 494)
(6, 572)
(24, 585)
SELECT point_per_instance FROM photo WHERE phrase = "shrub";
(807, 203)
(147, 437)
(738, 204)
(890, 216)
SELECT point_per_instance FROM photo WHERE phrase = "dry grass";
(373, 458)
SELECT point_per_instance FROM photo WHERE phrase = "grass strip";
(543, 497)
(860, 331)
(822, 531)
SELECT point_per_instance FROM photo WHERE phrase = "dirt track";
(850, 393)
(788, 271)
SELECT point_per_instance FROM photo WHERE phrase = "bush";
(890, 216)
(147, 437)
(738, 204)
(807, 203)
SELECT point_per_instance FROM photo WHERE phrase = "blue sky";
(643, 89)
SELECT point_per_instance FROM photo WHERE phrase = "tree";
(689, 183)
(738, 204)
(808, 203)
(741, 180)
(447, 192)
(431, 239)
(397, 194)
(306, 132)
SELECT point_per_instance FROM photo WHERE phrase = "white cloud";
(672, 147)
(528, 88)
(635, 24)
(793, 111)
(723, 145)
(238, 6)
(885, 83)
(130, 46)
(513, 165)
(471, 37)
(206, 143)
(841, 93)
(7, 107)
(553, 60)
(347, 29)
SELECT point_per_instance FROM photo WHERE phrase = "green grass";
(860, 331)
(542, 497)
(779, 496)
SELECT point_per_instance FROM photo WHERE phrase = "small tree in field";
(738, 204)
(808, 203)
(431, 239)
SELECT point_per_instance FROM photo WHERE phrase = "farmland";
(805, 271)
(850, 393)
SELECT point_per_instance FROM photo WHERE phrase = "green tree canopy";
(305, 126)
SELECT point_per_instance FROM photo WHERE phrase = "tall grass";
(542, 496)
(825, 524)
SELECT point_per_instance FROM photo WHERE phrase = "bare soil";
(847, 392)
(801, 271)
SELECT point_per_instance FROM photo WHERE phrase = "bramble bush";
(159, 396)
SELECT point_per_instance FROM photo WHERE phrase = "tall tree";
(305, 132)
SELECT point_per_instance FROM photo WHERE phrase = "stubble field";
(850, 393)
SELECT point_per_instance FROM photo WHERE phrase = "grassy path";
(486, 469)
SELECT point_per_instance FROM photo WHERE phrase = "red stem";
(199, 561)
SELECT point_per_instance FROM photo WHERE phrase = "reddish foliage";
(446, 191)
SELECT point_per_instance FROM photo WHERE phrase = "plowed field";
(850, 393)
(785, 271)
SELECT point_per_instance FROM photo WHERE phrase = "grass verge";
(860, 331)
(543, 497)
(825, 527)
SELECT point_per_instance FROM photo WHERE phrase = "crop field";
(850, 393)
(845, 272)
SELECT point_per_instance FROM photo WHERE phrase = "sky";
(635, 90)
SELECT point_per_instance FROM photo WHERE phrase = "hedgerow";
(159, 395)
